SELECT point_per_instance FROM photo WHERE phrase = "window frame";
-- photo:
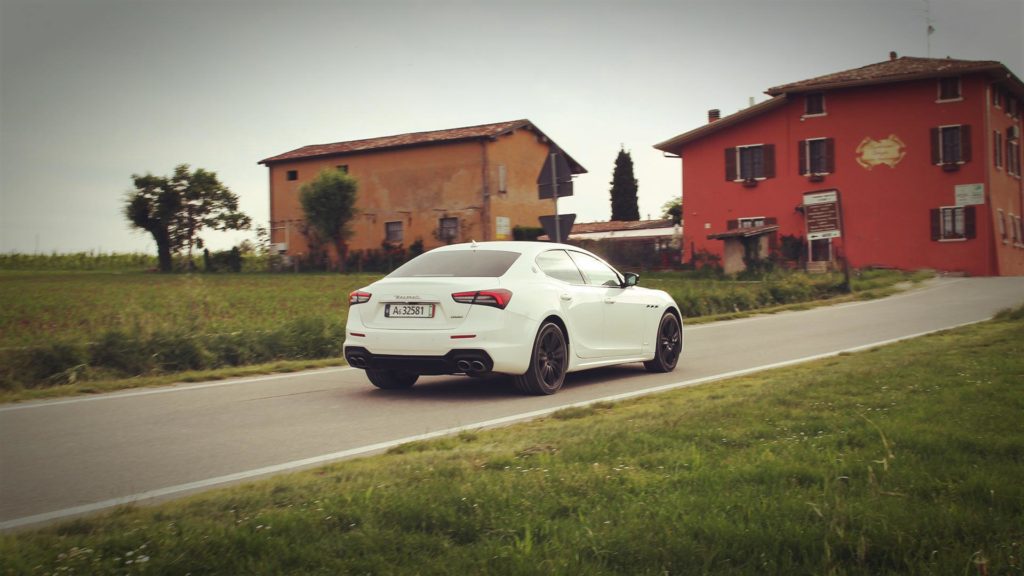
(291, 175)
(542, 267)
(827, 157)
(963, 144)
(441, 228)
(1002, 226)
(941, 232)
(942, 82)
(751, 222)
(997, 149)
(388, 229)
(1013, 157)
(619, 279)
(818, 98)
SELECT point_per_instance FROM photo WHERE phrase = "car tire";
(548, 362)
(392, 379)
(667, 345)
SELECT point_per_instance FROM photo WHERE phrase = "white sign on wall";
(969, 194)
(502, 228)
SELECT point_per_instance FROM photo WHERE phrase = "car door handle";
(567, 297)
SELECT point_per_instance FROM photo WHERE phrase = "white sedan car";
(532, 310)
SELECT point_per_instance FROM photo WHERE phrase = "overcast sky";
(93, 91)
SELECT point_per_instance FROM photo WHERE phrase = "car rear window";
(456, 264)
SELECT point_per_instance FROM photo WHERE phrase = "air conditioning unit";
(281, 247)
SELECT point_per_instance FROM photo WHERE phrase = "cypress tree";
(624, 189)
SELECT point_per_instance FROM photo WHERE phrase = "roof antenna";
(930, 29)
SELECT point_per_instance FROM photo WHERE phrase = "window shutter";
(769, 160)
(830, 155)
(965, 143)
(936, 224)
(936, 147)
(970, 225)
(801, 148)
(730, 164)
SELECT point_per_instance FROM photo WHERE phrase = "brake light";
(498, 298)
(358, 297)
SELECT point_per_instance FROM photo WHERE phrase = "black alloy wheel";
(547, 364)
(668, 345)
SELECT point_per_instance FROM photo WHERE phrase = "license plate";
(408, 310)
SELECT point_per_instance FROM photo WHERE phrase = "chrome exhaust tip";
(464, 365)
(477, 366)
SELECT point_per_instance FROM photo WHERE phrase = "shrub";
(125, 353)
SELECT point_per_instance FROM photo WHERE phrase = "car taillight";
(358, 297)
(497, 298)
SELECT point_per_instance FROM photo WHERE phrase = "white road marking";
(381, 446)
(169, 389)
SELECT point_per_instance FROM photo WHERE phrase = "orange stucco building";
(443, 186)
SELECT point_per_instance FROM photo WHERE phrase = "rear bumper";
(454, 362)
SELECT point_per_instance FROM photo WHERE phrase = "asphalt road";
(75, 456)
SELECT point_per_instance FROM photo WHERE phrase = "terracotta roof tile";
(896, 70)
(414, 139)
(619, 225)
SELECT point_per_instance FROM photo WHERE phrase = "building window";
(814, 104)
(997, 149)
(1012, 106)
(343, 168)
(953, 223)
(949, 89)
(750, 222)
(1012, 155)
(997, 96)
(1002, 225)
(951, 145)
(293, 175)
(448, 229)
(393, 232)
(750, 163)
(817, 156)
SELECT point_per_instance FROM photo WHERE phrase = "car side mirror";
(631, 280)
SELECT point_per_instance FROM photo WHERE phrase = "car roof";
(522, 247)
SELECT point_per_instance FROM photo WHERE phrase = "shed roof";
(433, 137)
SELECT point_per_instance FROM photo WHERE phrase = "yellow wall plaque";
(888, 151)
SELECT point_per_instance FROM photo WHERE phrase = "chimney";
(892, 55)
(714, 115)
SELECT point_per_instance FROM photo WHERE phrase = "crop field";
(65, 326)
(40, 307)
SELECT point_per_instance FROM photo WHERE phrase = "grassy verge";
(902, 460)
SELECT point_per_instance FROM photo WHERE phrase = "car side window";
(597, 273)
(558, 265)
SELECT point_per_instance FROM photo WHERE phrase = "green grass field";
(66, 327)
(905, 459)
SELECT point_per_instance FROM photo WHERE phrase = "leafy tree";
(329, 202)
(624, 188)
(176, 209)
(673, 209)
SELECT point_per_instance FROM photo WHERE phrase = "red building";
(922, 155)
